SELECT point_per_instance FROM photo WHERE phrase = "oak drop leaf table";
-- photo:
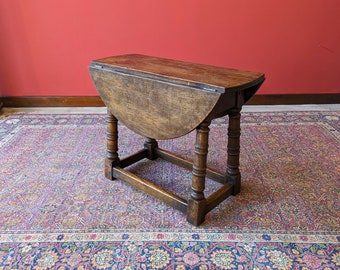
(164, 99)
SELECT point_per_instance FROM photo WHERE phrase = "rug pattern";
(59, 212)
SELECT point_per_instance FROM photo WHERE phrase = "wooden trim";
(95, 101)
(292, 99)
(53, 101)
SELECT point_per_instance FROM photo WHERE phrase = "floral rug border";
(265, 237)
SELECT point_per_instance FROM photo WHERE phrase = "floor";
(247, 108)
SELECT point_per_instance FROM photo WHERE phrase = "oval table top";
(163, 98)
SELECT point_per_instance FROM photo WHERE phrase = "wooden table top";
(205, 77)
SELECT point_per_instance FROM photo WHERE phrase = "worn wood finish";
(148, 187)
(234, 132)
(112, 158)
(197, 201)
(218, 196)
(211, 173)
(125, 162)
(140, 103)
(163, 99)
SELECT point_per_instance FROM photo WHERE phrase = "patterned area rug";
(57, 210)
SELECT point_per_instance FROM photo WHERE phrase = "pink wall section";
(46, 46)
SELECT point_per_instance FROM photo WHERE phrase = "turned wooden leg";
(112, 158)
(197, 202)
(233, 163)
(151, 145)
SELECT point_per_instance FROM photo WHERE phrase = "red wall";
(46, 46)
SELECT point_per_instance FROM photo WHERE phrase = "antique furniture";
(164, 99)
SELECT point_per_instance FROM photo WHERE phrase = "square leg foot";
(108, 168)
(196, 211)
(235, 181)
